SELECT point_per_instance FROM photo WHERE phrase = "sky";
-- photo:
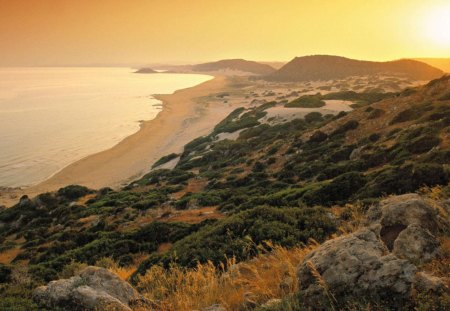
(105, 32)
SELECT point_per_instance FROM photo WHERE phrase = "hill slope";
(235, 64)
(326, 67)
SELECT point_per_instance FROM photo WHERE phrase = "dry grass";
(235, 286)
(193, 216)
(355, 219)
(194, 186)
(124, 272)
(8, 255)
(440, 266)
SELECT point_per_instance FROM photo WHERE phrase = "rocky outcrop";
(377, 263)
(93, 288)
(407, 226)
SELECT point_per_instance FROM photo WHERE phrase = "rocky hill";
(259, 210)
(235, 64)
(327, 67)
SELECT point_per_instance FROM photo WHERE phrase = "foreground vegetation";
(173, 231)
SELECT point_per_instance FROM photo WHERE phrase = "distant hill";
(236, 64)
(145, 70)
(326, 67)
(441, 63)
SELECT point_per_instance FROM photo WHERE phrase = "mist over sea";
(52, 117)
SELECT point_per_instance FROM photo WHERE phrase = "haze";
(112, 32)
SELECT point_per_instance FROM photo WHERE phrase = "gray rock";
(376, 263)
(405, 210)
(271, 303)
(428, 283)
(93, 288)
(356, 153)
(416, 244)
(215, 307)
(92, 299)
(353, 266)
(408, 225)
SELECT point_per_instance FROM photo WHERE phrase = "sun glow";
(437, 25)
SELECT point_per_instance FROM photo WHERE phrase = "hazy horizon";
(115, 32)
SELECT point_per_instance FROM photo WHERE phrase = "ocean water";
(51, 117)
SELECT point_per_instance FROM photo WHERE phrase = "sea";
(52, 117)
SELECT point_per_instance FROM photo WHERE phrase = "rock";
(408, 225)
(93, 288)
(377, 263)
(428, 283)
(271, 303)
(356, 153)
(354, 266)
(91, 299)
(215, 307)
(416, 244)
(405, 210)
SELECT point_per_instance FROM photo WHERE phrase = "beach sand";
(186, 115)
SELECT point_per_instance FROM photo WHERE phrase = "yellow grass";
(8, 255)
(232, 285)
(123, 272)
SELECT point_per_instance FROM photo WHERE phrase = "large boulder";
(93, 288)
(376, 263)
(357, 265)
(408, 225)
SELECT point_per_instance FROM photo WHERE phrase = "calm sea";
(51, 117)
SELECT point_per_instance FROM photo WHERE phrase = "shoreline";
(184, 117)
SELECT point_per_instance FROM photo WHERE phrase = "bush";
(423, 144)
(5, 273)
(306, 101)
(404, 179)
(348, 126)
(375, 113)
(74, 192)
(239, 235)
(165, 159)
(313, 117)
(337, 191)
(318, 137)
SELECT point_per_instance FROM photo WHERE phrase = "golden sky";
(84, 32)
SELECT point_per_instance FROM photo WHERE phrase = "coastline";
(184, 117)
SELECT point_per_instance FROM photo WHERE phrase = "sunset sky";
(87, 32)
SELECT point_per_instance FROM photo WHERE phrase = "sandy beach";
(185, 115)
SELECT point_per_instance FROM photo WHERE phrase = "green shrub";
(347, 126)
(165, 159)
(318, 136)
(306, 101)
(5, 273)
(74, 192)
(313, 117)
(423, 144)
(239, 235)
(337, 191)
(403, 179)
(375, 113)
